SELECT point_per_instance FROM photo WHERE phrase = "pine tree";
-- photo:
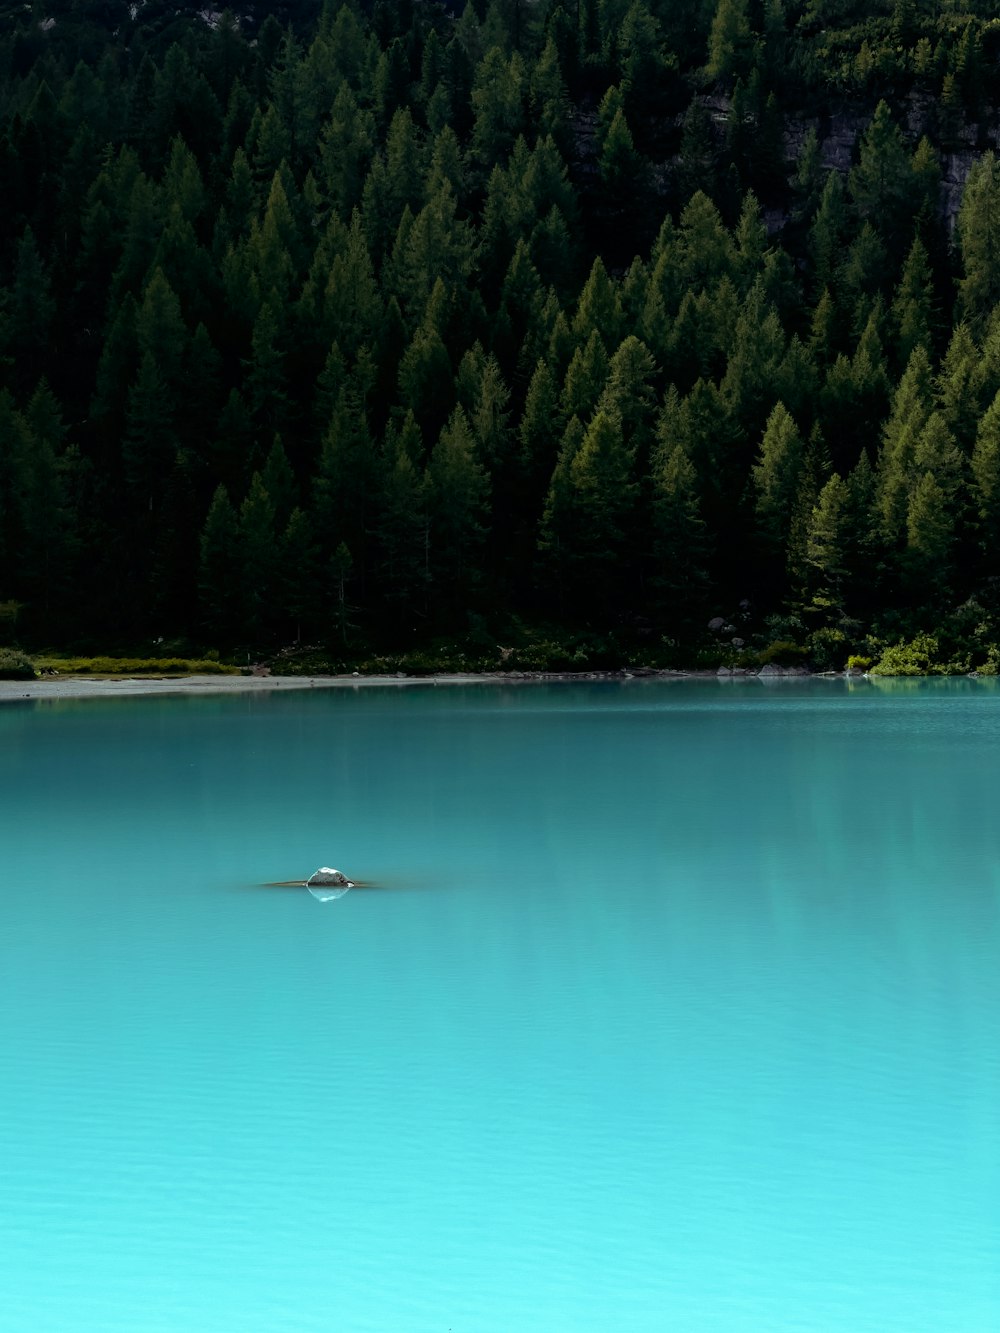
(911, 406)
(556, 531)
(730, 42)
(258, 560)
(498, 99)
(978, 230)
(219, 570)
(603, 504)
(698, 157)
(585, 379)
(298, 593)
(827, 543)
(623, 173)
(881, 184)
(705, 247)
(599, 308)
(458, 493)
(426, 378)
(402, 529)
(826, 235)
(26, 327)
(266, 379)
(679, 574)
(775, 482)
(345, 151)
(913, 304)
(929, 541)
(278, 480)
(628, 395)
(150, 442)
(961, 387)
(986, 487)
(538, 437)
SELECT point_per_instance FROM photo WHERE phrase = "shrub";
(991, 667)
(857, 663)
(15, 666)
(919, 657)
(908, 659)
(782, 652)
(826, 648)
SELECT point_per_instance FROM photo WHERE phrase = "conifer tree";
(705, 246)
(913, 304)
(978, 232)
(628, 395)
(729, 43)
(298, 583)
(402, 528)
(538, 436)
(986, 487)
(775, 482)
(826, 544)
(498, 99)
(603, 496)
(911, 406)
(881, 184)
(960, 386)
(219, 569)
(556, 531)
(929, 541)
(679, 573)
(458, 493)
(826, 235)
(150, 442)
(585, 379)
(278, 480)
(258, 560)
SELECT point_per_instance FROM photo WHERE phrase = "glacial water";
(669, 1006)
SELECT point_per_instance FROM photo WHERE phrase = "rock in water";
(325, 875)
(326, 883)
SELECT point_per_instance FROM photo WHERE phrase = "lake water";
(671, 1006)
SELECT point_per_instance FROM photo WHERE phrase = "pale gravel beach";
(89, 687)
(106, 687)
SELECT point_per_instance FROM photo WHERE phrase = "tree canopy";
(365, 324)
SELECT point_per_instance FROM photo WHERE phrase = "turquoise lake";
(670, 1006)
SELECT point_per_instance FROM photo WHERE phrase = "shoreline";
(108, 687)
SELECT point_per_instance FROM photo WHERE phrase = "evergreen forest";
(659, 331)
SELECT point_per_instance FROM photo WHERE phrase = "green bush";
(15, 666)
(991, 667)
(782, 652)
(919, 657)
(857, 663)
(826, 648)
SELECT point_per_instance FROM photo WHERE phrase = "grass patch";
(135, 666)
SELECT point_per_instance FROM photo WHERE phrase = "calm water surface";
(676, 1007)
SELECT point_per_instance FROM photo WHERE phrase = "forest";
(542, 332)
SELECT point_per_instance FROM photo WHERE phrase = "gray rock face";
(326, 884)
(328, 878)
